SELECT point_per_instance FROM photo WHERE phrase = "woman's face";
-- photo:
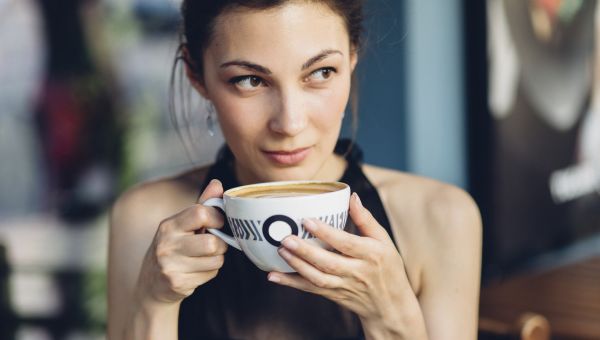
(280, 80)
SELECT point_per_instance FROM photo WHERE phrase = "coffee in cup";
(286, 190)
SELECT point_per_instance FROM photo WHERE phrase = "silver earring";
(210, 120)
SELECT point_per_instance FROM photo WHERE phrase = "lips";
(288, 158)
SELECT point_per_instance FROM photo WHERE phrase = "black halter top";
(241, 304)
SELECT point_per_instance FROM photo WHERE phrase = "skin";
(156, 259)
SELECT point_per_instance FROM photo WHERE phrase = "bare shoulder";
(160, 197)
(429, 218)
(135, 216)
(137, 213)
(423, 199)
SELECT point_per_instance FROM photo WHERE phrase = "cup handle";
(218, 203)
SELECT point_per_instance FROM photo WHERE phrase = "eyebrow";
(324, 54)
(253, 66)
(248, 65)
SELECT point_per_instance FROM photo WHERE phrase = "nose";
(290, 116)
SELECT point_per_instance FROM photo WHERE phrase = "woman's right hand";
(179, 258)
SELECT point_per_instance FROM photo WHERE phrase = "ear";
(353, 59)
(197, 83)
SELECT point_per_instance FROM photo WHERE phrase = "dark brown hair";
(199, 19)
(197, 30)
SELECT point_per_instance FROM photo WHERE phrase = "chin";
(288, 174)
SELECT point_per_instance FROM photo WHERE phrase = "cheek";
(235, 115)
(332, 104)
(239, 116)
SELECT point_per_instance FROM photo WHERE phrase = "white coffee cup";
(261, 215)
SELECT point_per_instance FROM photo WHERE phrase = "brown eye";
(255, 81)
(322, 74)
(247, 82)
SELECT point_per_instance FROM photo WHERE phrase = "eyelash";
(237, 80)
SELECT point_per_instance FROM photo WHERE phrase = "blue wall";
(412, 114)
(382, 90)
(436, 134)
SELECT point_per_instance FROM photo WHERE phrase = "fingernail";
(289, 243)
(357, 199)
(213, 181)
(284, 253)
(273, 278)
(309, 224)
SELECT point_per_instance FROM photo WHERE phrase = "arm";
(130, 234)
(451, 274)
(154, 263)
(450, 265)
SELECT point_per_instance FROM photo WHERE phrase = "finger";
(212, 190)
(309, 272)
(325, 260)
(187, 264)
(365, 222)
(202, 245)
(196, 217)
(294, 281)
(340, 240)
(202, 264)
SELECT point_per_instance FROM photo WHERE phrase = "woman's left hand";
(367, 276)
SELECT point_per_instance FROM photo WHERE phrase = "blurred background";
(499, 97)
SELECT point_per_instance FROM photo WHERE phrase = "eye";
(322, 74)
(247, 82)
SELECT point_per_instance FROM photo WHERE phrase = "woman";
(278, 74)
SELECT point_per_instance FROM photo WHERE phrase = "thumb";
(364, 220)
(212, 190)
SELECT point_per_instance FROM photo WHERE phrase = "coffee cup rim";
(343, 186)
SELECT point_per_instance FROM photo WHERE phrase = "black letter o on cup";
(278, 218)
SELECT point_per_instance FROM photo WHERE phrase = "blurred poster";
(544, 98)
